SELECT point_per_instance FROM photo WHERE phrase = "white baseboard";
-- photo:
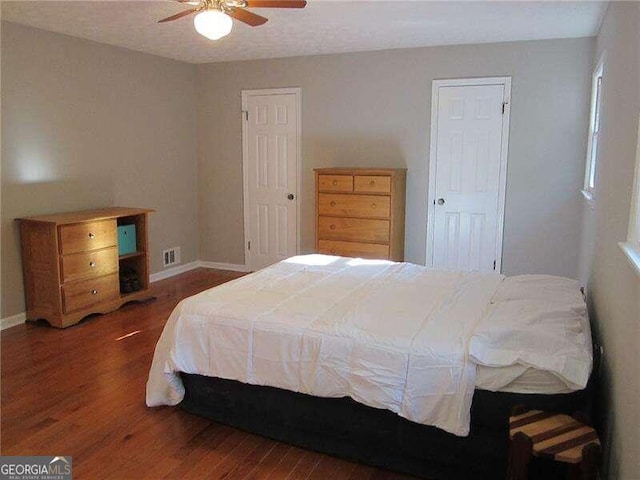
(171, 272)
(234, 267)
(13, 320)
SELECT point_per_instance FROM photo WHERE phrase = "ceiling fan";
(213, 19)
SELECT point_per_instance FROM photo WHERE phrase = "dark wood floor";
(81, 392)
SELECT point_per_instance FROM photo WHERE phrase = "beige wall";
(373, 109)
(88, 125)
(613, 285)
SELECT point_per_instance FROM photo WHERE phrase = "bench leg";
(588, 468)
(520, 453)
(590, 460)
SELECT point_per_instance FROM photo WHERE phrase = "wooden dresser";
(71, 263)
(360, 212)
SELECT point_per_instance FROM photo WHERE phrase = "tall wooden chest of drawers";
(360, 212)
(71, 264)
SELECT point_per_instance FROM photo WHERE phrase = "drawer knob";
(92, 264)
(372, 183)
(333, 204)
(92, 235)
(332, 227)
(373, 205)
(94, 292)
(332, 251)
(335, 183)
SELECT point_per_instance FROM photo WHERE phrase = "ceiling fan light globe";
(213, 24)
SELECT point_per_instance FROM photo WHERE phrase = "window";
(632, 246)
(594, 131)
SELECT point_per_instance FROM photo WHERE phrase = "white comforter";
(389, 335)
(535, 322)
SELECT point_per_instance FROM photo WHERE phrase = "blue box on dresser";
(126, 239)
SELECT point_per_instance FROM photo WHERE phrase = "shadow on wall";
(604, 423)
(603, 420)
(26, 199)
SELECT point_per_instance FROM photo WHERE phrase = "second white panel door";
(467, 187)
(271, 191)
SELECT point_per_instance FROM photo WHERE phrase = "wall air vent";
(171, 256)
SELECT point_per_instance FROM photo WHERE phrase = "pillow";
(550, 336)
(542, 287)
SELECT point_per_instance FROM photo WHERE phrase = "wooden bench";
(570, 440)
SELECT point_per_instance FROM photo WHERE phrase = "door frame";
(504, 153)
(297, 91)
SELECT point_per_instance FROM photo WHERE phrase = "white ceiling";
(324, 26)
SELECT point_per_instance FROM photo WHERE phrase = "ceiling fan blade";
(178, 15)
(247, 17)
(276, 3)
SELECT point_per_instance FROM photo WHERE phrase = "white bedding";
(539, 322)
(389, 335)
(520, 379)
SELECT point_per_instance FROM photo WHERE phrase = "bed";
(388, 363)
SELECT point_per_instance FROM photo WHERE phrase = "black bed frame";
(347, 429)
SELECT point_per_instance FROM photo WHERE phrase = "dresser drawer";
(371, 206)
(353, 249)
(372, 184)
(81, 295)
(353, 229)
(335, 183)
(83, 237)
(79, 266)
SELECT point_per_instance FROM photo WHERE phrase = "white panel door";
(467, 228)
(271, 177)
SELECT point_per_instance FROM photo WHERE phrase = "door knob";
(441, 201)
(291, 196)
